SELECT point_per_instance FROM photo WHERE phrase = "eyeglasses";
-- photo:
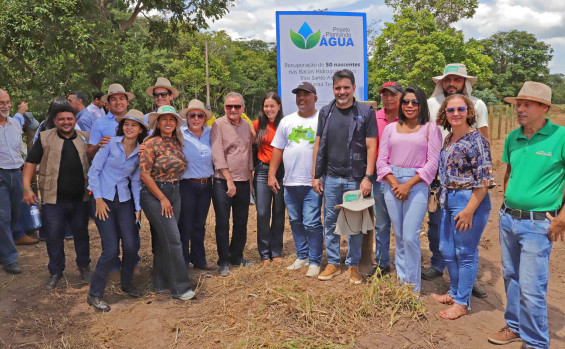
(193, 115)
(160, 94)
(415, 102)
(233, 106)
(3, 104)
(460, 110)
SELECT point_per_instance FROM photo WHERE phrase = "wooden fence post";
(491, 120)
(507, 119)
(499, 120)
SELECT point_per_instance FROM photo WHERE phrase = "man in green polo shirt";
(529, 219)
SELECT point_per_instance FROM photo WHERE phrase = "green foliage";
(486, 96)
(445, 12)
(413, 49)
(557, 84)
(517, 56)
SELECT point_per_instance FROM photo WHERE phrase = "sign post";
(311, 46)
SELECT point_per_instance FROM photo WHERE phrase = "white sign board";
(311, 46)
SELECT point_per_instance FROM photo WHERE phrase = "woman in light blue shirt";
(115, 183)
(195, 184)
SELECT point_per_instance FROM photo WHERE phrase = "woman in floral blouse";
(465, 169)
(161, 166)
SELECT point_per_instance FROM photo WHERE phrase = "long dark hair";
(140, 137)
(264, 120)
(424, 115)
(54, 108)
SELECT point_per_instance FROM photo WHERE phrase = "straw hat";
(135, 115)
(196, 104)
(535, 91)
(116, 89)
(164, 83)
(166, 110)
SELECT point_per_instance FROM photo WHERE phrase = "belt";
(403, 172)
(520, 214)
(200, 180)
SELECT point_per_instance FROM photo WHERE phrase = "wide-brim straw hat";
(455, 69)
(198, 105)
(115, 89)
(537, 92)
(135, 115)
(355, 201)
(167, 110)
(164, 83)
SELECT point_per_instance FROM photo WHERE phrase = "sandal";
(442, 298)
(454, 312)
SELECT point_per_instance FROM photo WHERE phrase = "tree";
(486, 96)
(413, 49)
(517, 56)
(445, 12)
(557, 84)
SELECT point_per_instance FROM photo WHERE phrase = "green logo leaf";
(313, 40)
(297, 39)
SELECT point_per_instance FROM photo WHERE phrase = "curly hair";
(442, 118)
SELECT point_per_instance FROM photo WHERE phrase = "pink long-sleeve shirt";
(418, 150)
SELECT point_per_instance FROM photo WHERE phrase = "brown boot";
(329, 272)
(26, 240)
(504, 336)
(354, 275)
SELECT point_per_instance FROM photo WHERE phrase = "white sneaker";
(298, 264)
(186, 296)
(313, 270)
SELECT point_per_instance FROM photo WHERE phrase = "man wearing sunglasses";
(233, 161)
(345, 155)
(162, 92)
(453, 81)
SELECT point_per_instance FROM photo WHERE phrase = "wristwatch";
(371, 178)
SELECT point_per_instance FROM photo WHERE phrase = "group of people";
(171, 165)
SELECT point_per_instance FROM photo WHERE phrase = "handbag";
(433, 197)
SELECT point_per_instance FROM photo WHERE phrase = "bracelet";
(162, 197)
(28, 188)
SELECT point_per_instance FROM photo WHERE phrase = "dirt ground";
(258, 306)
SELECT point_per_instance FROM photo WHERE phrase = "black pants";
(169, 270)
(231, 252)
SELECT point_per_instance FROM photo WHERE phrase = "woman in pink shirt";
(407, 163)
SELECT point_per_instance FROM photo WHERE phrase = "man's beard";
(445, 93)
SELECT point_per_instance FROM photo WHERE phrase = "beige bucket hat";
(135, 115)
(355, 201)
(458, 69)
(167, 110)
(196, 104)
(116, 89)
(537, 92)
(164, 83)
(354, 217)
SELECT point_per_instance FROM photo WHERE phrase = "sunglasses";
(460, 110)
(161, 94)
(414, 102)
(233, 106)
(199, 115)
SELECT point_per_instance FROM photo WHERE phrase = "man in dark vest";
(64, 164)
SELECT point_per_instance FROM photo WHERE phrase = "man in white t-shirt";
(453, 81)
(294, 144)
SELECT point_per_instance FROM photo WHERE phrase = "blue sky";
(256, 19)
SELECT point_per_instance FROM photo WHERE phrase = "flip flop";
(453, 312)
(442, 298)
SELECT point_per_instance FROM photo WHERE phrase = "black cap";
(305, 86)
(392, 86)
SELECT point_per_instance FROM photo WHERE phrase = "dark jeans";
(269, 234)
(11, 196)
(231, 252)
(169, 271)
(55, 217)
(120, 224)
(195, 203)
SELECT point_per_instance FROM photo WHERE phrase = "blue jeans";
(334, 187)
(11, 196)
(434, 222)
(195, 203)
(304, 208)
(269, 234)
(407, 217)
(525, 250)
(120, 224)
(54, 218)
(169, 271)
(231, 252)
(460, 248)
(382, 226)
